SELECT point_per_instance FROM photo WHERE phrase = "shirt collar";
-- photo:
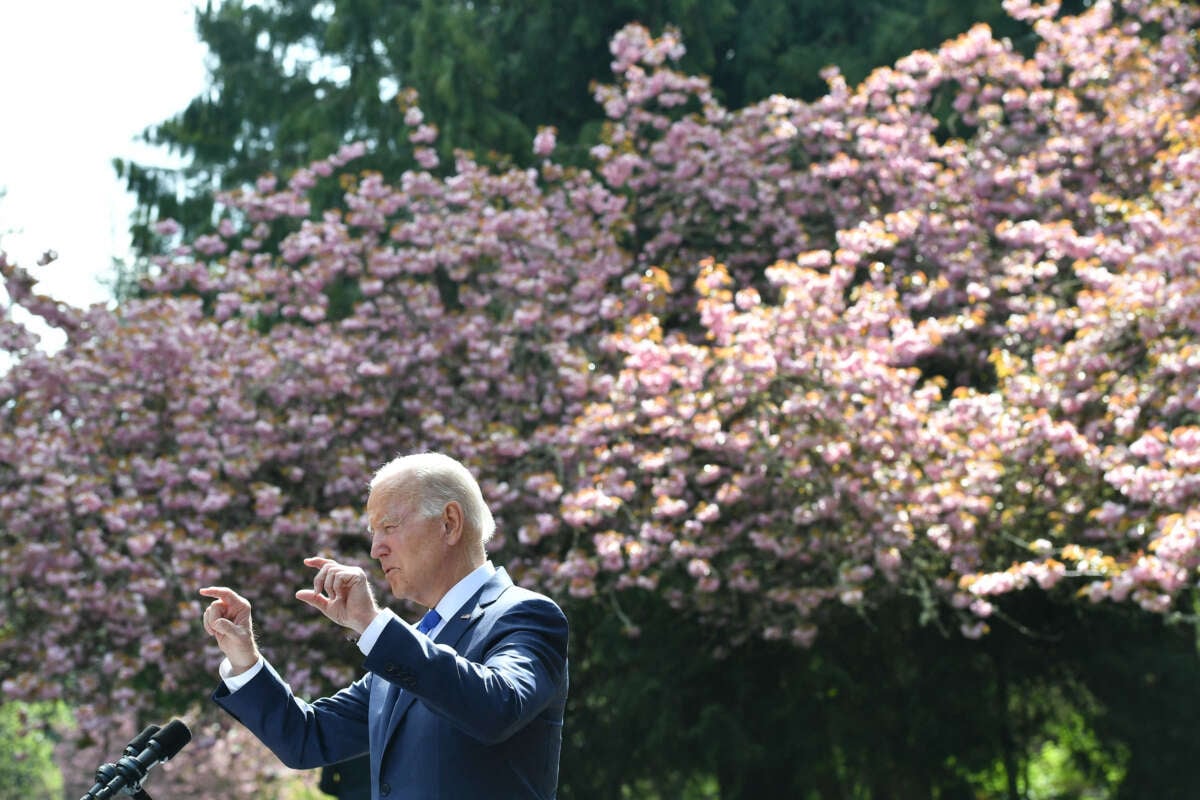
(464, 590)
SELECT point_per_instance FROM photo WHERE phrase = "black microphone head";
(138, 743)
(171, 739)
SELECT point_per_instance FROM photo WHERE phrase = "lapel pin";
(465, 616)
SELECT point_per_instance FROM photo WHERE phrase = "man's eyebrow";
(384, 524)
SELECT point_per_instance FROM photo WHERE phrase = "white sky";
(79, 80)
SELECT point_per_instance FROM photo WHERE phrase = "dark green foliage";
(881, 708)
(1145, 675)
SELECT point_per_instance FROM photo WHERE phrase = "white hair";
(437, 479)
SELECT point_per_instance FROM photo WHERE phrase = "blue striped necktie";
(429, 621)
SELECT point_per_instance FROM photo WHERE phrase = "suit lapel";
(472, 610)
(450, 634)
(402, 701)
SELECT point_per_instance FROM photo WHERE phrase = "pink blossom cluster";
(936, 336)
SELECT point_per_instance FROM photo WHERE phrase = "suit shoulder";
(519, 595)
(518, 603)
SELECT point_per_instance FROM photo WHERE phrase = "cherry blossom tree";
(933, 337)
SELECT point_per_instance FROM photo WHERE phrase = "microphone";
(106, 772)
(148, 749)
(138, 743)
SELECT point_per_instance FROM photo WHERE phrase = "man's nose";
(377, 548)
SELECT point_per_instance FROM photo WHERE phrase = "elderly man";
(467, 704)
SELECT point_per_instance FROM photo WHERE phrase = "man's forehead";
(385, 500)
(378, 503)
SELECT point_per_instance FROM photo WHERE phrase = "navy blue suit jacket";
(476, 714)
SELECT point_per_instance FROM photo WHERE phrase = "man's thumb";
(313, 599)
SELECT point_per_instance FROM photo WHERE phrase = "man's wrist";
(359, 625)
(243, 663)
(237, 667)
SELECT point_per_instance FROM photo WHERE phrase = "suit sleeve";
(302, 735)
(521, 665)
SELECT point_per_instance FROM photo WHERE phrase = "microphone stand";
(152, 746)
(104, 775)
(107, 772)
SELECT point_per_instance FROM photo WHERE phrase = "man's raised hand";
(341, 593)
(227, 619)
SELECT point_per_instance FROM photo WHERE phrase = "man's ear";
(452, 522)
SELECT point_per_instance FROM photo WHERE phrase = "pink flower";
(89, 502)
(974, 630)
(166, 227)
(141, 544)
(427, 157)
(544, 142)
